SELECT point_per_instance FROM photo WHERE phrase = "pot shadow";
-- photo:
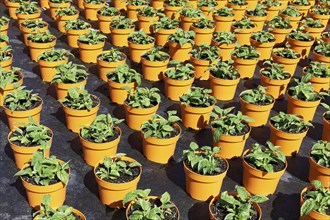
(119, 112)
(19, 187)
(3, 118)
(280, 105)
(199, 211)
(315, 133)
(26, 51)
(9, 152)
(76, 146)
(117, 214)
(36, 70)
(175, 173)
(237, 105)
(60, 115)
(235, 171)
(63, 39)
(135, 141)
(175, 107)
(75, 52)
(90, 183)
(204, 137)
(250, 83)
(94, 70)
(159, 85)
(103, 89)
(202, 83)
(286, 206)
(260, 134)
(295, 165)
(51, 91)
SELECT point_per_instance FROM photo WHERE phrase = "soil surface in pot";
(220, 213)
(18, 143)
(172, 215)
(121, 57)
(123, 178)
(277, 166)
(304, 197)
(109, 139)
(31, 180)
(174, 133)
(94, 99)
(222, 166)
(34, 105)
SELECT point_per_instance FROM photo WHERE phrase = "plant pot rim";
(116, 128)
(19, 111)
(217, 78)
(308, 188)
(311, 160)
(240, 97)
(75, 211)
(96, 106)
(250, 128)
(154, 139)
(281, 131)
(12, 131)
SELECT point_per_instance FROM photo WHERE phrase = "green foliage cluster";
(124, 74)
(198, 97)
(289, 123)
(21, 99)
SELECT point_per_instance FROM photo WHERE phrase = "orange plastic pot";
(62, 88)
(75, 119)
(264, 49)
(118, 93)
(238, 10)
(192, 3)
(146, 23)
(136, 50)
(38, 48)
(242, 35)
(195, 117)
(212, 217)
(157, 4)
(231, 146)
(4, 29)
(201, 68)
(162, 35)
(160, 150)
(207, 12)
(289, 65)
(95, 152)
(23, 154)
(225, 50)
(313, 215)
(302, 47)
(23, 17)
(153, 70)
(284, 3)
(47, 68)
(318, 172)
(132, 11)
(202, 36)
(136, 116)
(73, 35)
(314, 32)
(186, 22)
(306, 109)
(80, 4)
(6, 65)
(272, 11)
(323, 18)
(259, 113)
(180, 53)
(176, 88)
(294, 21)
(252, 4)
(203, 187)
(280, 35)
(326, 129)
(105, 67)
(302, 9)
(10, 88)
(120, 4)
(274, 87)
(319, 84)
(257, 21)
(91, 10)
(104, 23)
(222, 23)
(112, 194)
(88, 53)
(34, 193)
(57, 6)
(12, 7)
(245, 67)
(119, 36)
(172, 12)
(321, 58)
(221, 3)
(74, 211)
(223, 89)
(61, 20)
(44, 4)
(260, 182)
(26, 31)
(23, 116)
(290, 142)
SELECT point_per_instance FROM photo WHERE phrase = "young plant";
(290, 123)
(207, 3)
(144, 98)
(224, 12)
(271, 3)
(204, 24)
(238, 207)
(263, 36)
(54, 55)
(300, 2)
(287, 53)
(112, 55)
(300, 36)
(204, 160)
(148, 11)
(94, 2)
(246, 52)
(279, 22)
(137, 2)
(206, 52)
(28, 8)
(322, 48)
(167, 24)
(69, 73)
(228, 123)
(310, 22)
(237, 2)
(47, 212)
(143, 207)
(31, 134)
(9, 77)
(257, 96)
(21, 100)
(155, 54)
(224, 37)
(182, 37)
(290, 11)
(265, 158)
(68, 11)
(78, 24)
(321, 153)
(92, 37)
(191, 12)
(114, 167)
(318, 69)
(44, 171)
(224, 70)
(4, 21)
(316, 199)
(159, 127)
(41, 37)
(79, 99)
(259, 11)
(140, 37)
(175, 3)
(181, 72)
(245, 23)
(124, 74)
(34, 24)
(198, 97)
(274, 71)
(320, 10)
(4, 38)
(107, 10)
(304, 90)
(101, 129)
(60, 1)
(5, 53)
